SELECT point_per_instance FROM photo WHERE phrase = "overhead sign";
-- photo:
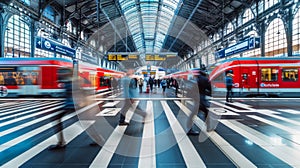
(122, 56)
(249, 44)
(89, 59)
(159, 56)
(53, 46)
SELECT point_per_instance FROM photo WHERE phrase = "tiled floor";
(249, 133)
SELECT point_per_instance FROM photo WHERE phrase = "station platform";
(249, 133)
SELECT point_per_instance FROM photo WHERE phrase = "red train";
(264, 76)
(41, 76)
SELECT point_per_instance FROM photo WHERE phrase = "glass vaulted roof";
(149, 21)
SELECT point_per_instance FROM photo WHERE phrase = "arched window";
(82, 35)
(248, 15)
(17, 41)
(255, 52)
(275, 39)
(69, 26)
(216, 36)
(229, 28)
(270, 3)
(296, 34)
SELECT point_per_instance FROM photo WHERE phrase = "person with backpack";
(141, 83)
(163, 85)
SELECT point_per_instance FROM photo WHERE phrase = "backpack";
(132, 83)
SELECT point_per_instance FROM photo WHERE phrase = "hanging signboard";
(249, 44)
(53, 46)
(121, 56)
(89, 59)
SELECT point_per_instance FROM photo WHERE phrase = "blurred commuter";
(158, 83)
(229, 84)
(176, 86)
(202, 84)
(163, 85)
(1, 79)
(141, 83)
(129, 93)
(68, 108)
(10, 80)
(151, 82)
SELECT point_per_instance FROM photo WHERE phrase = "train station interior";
(149, 83)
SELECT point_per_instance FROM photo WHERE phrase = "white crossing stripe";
(111, 104)
(188, 151)
(291, 111)
(106, 153)
(31, 115)
(147, 153)
(33, 108)
(234, 155)
(7, 104)
(280, 126)
(13, 129)
(20, 106)
(282, 152)
(232, 108)
(75, 129)
(34, 132)
(109, 112)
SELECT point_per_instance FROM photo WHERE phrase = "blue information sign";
(52, 46)
(90, 59)
(250, 43)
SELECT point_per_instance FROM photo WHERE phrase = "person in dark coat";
(203, 85)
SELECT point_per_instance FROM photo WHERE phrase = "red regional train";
(264, 76)
(41, 76)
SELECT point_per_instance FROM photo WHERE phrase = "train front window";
(269, 74)
(289, 74)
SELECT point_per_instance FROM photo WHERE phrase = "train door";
(30, 80)
(249, 79)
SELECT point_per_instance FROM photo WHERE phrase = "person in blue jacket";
(229, 84)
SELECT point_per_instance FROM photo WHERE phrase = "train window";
(289, 74)
(104, 81)
(19, 76)
(63, 74)
(269, 74)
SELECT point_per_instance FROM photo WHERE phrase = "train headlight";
(61, 85)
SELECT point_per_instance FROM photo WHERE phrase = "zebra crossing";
(258, 137)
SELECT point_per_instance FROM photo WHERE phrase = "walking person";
(229, 84)
(141, 84)
(163, 85)
(151, 82)
(66, 79)
(129, 93)
(203, 85)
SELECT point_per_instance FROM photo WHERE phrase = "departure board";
(122, 56)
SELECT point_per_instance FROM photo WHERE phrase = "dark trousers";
(164, 88)
(229, 93)
(151, 87)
